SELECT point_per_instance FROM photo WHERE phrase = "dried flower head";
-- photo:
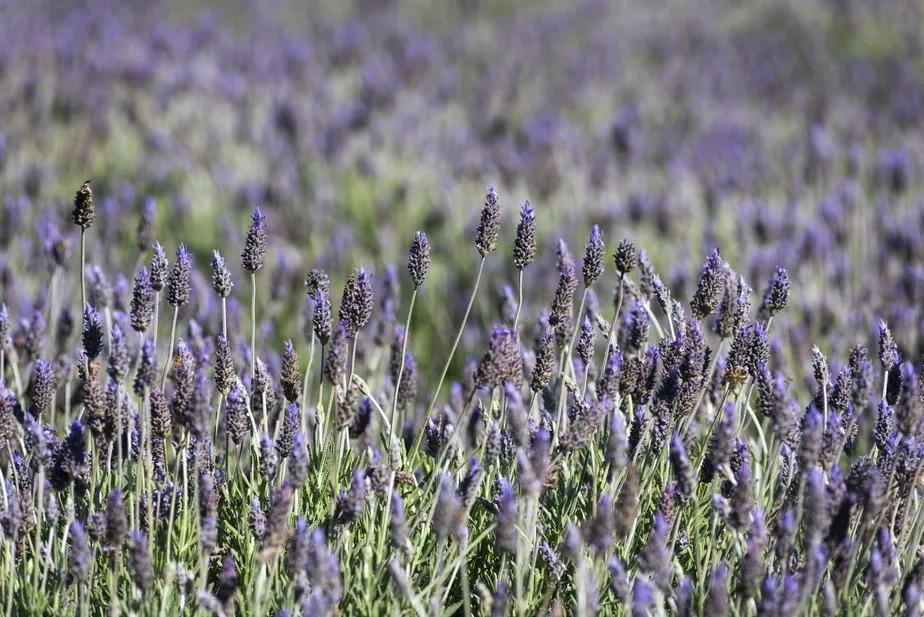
(418, 258)
(84, 212)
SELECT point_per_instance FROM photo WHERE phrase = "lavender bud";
(742, 500)
(42, 386)
(350, 505)
(608, 383)
(544, 365)
(592, 267)
(507, 516)
(627, 503)
(299, 460)
(208, 514)
(888, 350)
(139, 562)
(160, 414)
(119, 361)
(502, 362)
(276, 524)
(322, 317)
(79, 556)
(717, 596)
(290, 376)
(83, 213)
(552, 561)
(683, 597)
(683, 469)
(290, 425)
(618, 580)
(418, 259)
(468, 487)
(721, 445)
(562, 303)
(710, 287)
(142, 305)
(524, 248)
(92, 333)
(357, 301)
(238, 424)
(178, 284)
(256, 521)
(811, 442)
(298, 549)
(159, 268)
(269, 461)
(586, 343)
(776, 296)
(449, 515)
(145, 230)
(254, 251)
(224, 365)
(489, 225)
(625, 257)
(9, 426)
(221, 276)
(116, 524)
(655, 558)
(816, 516)
(637, 328)
(643, 597)
(397, 524)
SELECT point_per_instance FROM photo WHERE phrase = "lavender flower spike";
(711, 286)
(524, 247)
(418, 259)
(254, 251)
(489, 225)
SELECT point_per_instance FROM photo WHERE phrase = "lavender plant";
(671, 443)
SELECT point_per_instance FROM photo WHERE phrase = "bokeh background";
(782, 132)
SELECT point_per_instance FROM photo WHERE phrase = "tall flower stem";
(397, 386)
(163, 377)
(253, 325)
(83, 290)
(516, 317)
(613, 324)
(83, 267)
(452, 352)
(305, 382)
(156, 321)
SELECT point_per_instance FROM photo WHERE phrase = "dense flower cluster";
(717, 407)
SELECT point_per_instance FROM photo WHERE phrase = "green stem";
(253, 325)
(163, 377)
(452, 352)
(516, 317)
(394, 402)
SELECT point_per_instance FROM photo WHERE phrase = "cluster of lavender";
(652, 426)
(655, 456)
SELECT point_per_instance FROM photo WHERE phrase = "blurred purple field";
(541, 308)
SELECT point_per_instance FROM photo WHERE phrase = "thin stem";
(612, 333)
(163, 377)
(452, 352)
(253, 325)
(394, 402)
(83, 266)
(516, 317)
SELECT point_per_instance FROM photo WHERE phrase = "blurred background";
(783, 132)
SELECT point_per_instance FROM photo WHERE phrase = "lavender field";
(469, 308)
